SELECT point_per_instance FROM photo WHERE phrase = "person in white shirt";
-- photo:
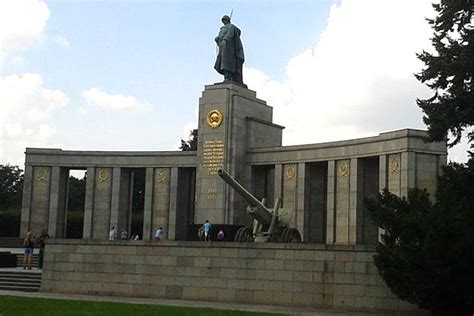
(113, 233)
(158, 234)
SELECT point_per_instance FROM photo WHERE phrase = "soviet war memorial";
(380, 222)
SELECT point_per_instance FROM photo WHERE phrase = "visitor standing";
(113, 234)
(220, 235)
(158, 234)
(43, 238)
(28, 243)
(207, 230)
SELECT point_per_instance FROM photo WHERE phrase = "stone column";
(408, 172)
(161, 200)
(40, 199)
(343, 173)
(353, 199)
(57, 216)
(382, 182)
(102, 203)
(120, 197)
(89, 203)
(278, 180)
(394, 174)
(26, 200)
(290, 173)
(382, 172)
(300, 199)
(331, 197)
(148, 205)
(173, 203)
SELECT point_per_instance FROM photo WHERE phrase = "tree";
(77, 193)
(449, 72)
(11, 187)
(426, 255)
(427, 252)
(190, 144)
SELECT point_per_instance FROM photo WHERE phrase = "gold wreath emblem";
(343, 169)
(394, 165)
(103, 175)
(162, 176)
(290, 172)
(214, 118)
(41, 174)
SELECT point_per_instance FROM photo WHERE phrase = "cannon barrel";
(261, 212)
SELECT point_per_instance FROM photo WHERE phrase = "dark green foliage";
(190, 144)
(75, 224)
(76, 193)
(75, 212)
(11, 187)
(427, 255)
(138, 203)
(449, 71)
(11, 191)
(10, 222)
(137, 224)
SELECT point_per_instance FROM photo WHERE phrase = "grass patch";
(17, 306)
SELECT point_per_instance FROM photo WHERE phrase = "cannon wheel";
(243, 235)
(291, 236)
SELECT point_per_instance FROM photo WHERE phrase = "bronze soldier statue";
(231, 52)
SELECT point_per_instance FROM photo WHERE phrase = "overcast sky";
(127, 75)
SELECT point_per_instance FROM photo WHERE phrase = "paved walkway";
(197, 304)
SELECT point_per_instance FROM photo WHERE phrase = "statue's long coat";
(231, 51)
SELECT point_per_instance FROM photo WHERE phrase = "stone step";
(33, 277)
(34, 260)
(28, 283)
(25, 281)
(19, 288)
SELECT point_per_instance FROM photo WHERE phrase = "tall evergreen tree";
(426, 256)
(449, 72)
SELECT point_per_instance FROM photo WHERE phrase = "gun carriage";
(269, 225)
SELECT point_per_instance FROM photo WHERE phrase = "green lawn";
(16, 306)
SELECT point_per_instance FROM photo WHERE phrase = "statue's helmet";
(225, 17)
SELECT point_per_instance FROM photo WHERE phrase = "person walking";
(29, 244)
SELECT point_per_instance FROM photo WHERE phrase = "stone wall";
(301, 275)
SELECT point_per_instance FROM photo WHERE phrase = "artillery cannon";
(269, 224)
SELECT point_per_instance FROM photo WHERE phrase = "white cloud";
(21, 23)
(98, 98)
(60, 41)
(358, 79)
(27, 111)
(16, 61)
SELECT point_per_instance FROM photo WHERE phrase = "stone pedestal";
(231, 120)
